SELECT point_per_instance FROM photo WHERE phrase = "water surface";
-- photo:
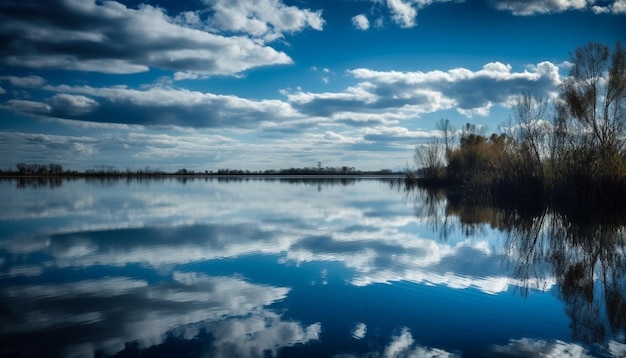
(317, 268)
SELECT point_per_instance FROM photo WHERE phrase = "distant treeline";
(567, 152)
(54, 169)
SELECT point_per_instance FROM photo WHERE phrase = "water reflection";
(585, 255)
(269, 268)
(76, 318)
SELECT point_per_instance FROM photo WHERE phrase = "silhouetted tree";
(592, 110)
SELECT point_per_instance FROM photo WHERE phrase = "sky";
(273, 84)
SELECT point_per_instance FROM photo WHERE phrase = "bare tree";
(593, 102)
(447, 130)
(429, 158)
(531, 130)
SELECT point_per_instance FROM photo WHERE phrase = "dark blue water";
(263, 268)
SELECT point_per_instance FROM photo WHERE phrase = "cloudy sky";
(270, 84)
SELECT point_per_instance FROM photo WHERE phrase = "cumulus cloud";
(524, 7)
(26, 107)
(68, 105)
(617, 7)
(28, 81)
(34, 147)
(396, 134)
(109, 37)
(380, 97)
(404, 12)
(416, 93)
(154, 106)
(361, 22)
(267, 19)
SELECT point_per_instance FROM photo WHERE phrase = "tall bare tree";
(447, 130)
(531, 130)
(593, 103)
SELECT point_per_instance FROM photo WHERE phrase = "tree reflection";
(584, 253)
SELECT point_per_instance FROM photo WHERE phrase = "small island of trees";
(570, 151)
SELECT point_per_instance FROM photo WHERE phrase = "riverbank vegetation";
(568, 151)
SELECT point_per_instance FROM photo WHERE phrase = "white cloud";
(404, 12)
(335, 138)
(28, 270)
(156, 106)
(617, 7)
(267, 19)
(72, 105)
(379, 23)
(26, 107)
(411, 94)
(361, 22)
(116, 39)
(28, 81)
(533, 7)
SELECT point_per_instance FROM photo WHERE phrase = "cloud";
(26, 107)
(28, 81)
(410, 94)
(361, 22)
(42, 148)
(538, 7)
(109, 37)
(404, 12)
(68, 105)
(396, 134)
(524, 7)
(267, 19)
(154, 106)
(617, 7)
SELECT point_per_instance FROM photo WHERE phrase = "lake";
(213, 267)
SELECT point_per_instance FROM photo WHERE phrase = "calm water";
(258, 268)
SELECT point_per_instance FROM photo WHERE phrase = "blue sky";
(270, 84)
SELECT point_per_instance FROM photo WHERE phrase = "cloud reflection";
(403, 345)
(164, 224)
(526, 347)
(77, 318)
(359, 331)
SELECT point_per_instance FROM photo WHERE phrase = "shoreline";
(202, 176)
